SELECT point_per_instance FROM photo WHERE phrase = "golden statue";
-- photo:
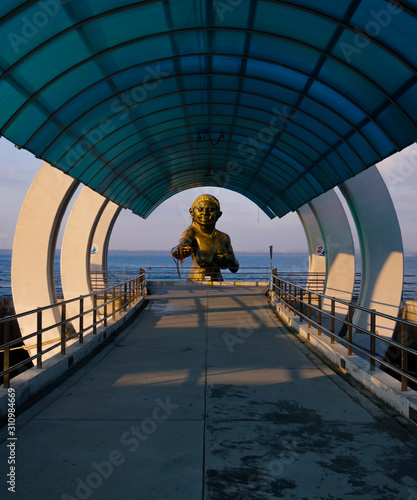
(209, 248)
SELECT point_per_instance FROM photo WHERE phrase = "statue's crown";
(206, 197)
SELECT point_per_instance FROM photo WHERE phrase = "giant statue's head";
(205, 210)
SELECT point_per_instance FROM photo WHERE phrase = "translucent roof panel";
(278, 100)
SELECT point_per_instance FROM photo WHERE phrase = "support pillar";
(76, 250)
(100, 245)
(34, 251)
(316, 262)
(339, 249)
(381, 250)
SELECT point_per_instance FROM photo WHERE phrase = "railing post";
(309, 310)
(39, 339)
(125, 297)
(319, 318)
(6, 355)
(273, 279)
(63, 325)
(81, 320)
(301, 304)
(105, 307)
(350, 329)
(113, 304)
(404, 360)
(332, 320)
(372, 341)
(120, 299)
(94, 314)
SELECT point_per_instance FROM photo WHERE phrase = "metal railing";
(171, 273)
(105, 304)
(308, 305)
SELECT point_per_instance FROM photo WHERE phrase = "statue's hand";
(221, 260)
(181, 252)
(186, 250)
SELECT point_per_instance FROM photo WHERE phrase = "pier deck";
(205, 395)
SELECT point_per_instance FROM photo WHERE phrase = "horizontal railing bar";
(357, 327)
(130, 291)
(292, 297)
(57, 304)
(356, 347)
(346, 303)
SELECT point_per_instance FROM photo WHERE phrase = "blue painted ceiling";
(277, 100)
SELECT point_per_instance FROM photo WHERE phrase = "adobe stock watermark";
(412, 493)
(403, 170)
(262, 478)
(130, 442)
(121, 108)
(11, 440)
(250, 147)
(33, 23)
(378, 21)
(225, 6)
(241, 334)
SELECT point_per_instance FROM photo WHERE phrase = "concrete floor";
(206, 396)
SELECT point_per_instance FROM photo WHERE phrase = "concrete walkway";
(206, 396)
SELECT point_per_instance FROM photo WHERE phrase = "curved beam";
(33, 256)
(76, 249)
(339, 250)
(133, 163)
(317, 139)
(232, 75)
(247, 31)
(381, 250)
(316, 261)
(101, 239)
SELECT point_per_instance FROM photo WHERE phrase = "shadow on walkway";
(206, 395)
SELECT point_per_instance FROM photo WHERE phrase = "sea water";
(132, 261)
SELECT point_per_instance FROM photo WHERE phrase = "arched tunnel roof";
(277, 100)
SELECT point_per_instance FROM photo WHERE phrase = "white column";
(381, 250)
(100, 245)
(339, 249)
(34, 251)
(76, 249)
(317, 262)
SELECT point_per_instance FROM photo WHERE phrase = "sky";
(249, 228)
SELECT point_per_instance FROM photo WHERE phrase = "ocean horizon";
(132, 260)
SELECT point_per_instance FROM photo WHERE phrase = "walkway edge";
(31, 382)
(377, 382)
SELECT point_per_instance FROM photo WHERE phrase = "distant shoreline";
(164, 252)
(4, 251)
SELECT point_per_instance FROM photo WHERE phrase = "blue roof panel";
(138, 99)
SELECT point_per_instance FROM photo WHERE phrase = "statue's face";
(205, 213)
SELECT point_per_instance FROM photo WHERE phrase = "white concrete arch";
(76, 249)
(34, 251)
(316, 262)
(339, 249)
(100, 244)
(102, 236)
(381, 250)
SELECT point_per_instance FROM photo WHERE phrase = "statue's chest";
(209, 246)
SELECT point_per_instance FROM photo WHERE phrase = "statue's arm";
(186, 243)
(228, 260)
(233, 262)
